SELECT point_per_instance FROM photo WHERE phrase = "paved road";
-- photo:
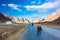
(46, 34)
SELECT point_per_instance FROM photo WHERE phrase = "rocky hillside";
(54, 18)
(19, 20)
(4, 18)
(35, 20)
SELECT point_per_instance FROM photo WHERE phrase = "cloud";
(14, 6)
(36, 2)
(3, 4)
(44, 7)
(33, 2)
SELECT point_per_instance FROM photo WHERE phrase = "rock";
(35, 20)
(54, 18)
(4, 18)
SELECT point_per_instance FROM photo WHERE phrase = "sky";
(29, 8)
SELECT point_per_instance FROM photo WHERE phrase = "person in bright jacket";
(38, 26)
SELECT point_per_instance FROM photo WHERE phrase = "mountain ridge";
(54, 18)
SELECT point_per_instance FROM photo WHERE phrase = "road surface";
(47, 33)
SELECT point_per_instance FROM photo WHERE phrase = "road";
(47, 33)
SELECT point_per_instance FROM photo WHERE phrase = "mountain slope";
(54, 18)
(4, 18)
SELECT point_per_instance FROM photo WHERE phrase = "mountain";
(19, 20)
(54, 18)
(4, 17)
(15, 20)
(35, 20)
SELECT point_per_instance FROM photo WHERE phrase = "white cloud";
(44, 7)
(33, 2)
(3, 4)
(36, 2)
(14, 6)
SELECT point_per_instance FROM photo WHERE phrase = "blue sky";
(29, 8)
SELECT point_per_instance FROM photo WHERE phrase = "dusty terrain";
(9, 30)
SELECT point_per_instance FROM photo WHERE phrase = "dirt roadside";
(17, 35)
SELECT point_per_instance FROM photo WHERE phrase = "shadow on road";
(39, 30)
